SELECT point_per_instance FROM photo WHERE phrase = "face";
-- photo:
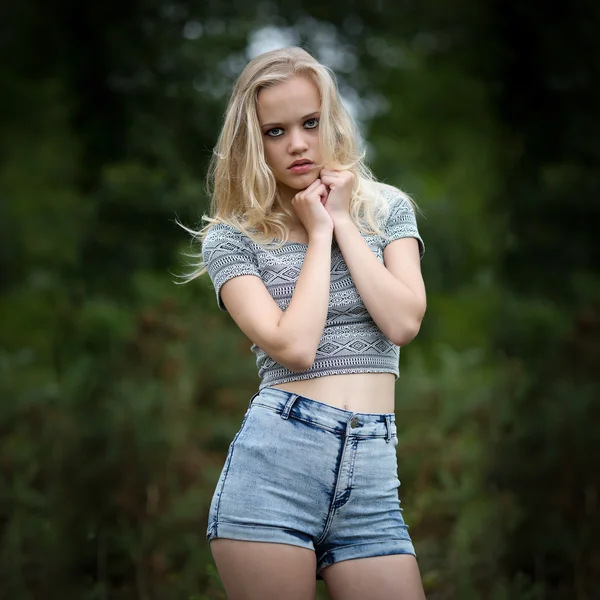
(289, 114)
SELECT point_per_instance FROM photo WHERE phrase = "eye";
(311, 123)
(275, 132)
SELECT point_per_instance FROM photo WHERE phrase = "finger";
(334, 174)
(326, 171)
(332, 185)
(313, 185)
(320, 192)
(322, 189)
(324, 197)
(308, 191)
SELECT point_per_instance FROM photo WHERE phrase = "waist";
(356, 392)
(319, 415)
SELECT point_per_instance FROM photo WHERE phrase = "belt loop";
(388, 428)
(285, 413)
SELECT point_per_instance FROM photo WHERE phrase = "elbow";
(293, 353)
(404, 333)
(299, 360)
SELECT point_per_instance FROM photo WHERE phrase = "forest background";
(120, 391)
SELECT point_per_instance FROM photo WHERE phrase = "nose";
(297, 141)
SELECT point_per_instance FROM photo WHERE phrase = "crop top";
(351, 341)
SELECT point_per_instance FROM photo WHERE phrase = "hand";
(309, 206)
(340, 185)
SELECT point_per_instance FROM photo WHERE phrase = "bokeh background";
(120, 390)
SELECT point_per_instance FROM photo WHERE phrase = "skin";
(320, 199)
(288, 114)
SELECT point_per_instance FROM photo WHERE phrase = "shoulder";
(400, 220)
(394, 198)
(390, 204)
(225, 246)
(224, 237)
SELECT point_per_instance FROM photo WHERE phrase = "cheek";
(270, 156)
(315, 143)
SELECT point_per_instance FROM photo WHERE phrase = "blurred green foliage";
(121, 391)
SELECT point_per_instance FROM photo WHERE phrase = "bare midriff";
(356, 392)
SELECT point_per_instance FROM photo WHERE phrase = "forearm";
(394, 306)
(303, 321)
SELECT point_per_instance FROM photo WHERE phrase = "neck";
(286, 194)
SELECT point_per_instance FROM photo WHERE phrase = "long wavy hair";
(241, 186)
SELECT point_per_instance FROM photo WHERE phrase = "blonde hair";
(241, 185)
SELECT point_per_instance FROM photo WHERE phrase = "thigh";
(264, 571)
(392, 577)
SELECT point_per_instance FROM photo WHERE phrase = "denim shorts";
(305, 473)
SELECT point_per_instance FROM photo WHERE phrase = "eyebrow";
(312, 114)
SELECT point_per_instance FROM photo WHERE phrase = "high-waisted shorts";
(305, 473)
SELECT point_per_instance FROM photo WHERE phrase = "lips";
(301, 162)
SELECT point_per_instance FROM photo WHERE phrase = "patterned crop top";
(351, 341)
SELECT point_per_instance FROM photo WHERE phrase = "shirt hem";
(307, 375)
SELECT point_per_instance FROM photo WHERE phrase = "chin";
(301, 182)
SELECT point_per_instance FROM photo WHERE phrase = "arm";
(290, 337)
(393, 292)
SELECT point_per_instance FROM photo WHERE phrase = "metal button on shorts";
(309, 474)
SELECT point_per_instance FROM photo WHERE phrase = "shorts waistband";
(338, 420)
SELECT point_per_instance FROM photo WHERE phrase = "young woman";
(319, 265)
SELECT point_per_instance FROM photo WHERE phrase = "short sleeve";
(226, 254)
(402, 222)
